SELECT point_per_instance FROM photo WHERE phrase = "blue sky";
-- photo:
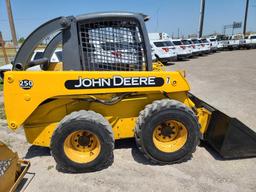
(166, 15)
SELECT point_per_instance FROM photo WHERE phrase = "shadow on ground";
(136, 154)
(36, 151)
(182, 60)
(169, 63)
(210, 150)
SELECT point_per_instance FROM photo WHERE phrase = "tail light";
(166, 49)
(116, 54)
(202, 45)
(193, 46)
(182, 46)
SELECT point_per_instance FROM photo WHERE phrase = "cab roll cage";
(65, 31)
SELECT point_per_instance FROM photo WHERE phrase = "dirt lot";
(227, 80)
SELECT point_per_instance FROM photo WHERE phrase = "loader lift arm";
(26, 50)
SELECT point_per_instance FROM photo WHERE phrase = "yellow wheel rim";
(82, 146)
(170, 136)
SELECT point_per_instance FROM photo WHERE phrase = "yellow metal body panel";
(40, 108)
(158, 66)
(122, 116)
(20, 103)
(203, 118)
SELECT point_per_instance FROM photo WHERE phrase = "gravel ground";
(226, 80)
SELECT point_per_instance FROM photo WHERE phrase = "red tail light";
(202, 45)
(116, 53)
(193, 46)
(182, 46)
(166, 49)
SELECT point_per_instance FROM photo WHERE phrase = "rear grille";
(4, 165)
(111, 45)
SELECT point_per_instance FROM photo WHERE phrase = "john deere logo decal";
(26, 84)
(114, 82)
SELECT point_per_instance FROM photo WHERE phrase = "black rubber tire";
(2, 75)
(159, 111)
(88, 121)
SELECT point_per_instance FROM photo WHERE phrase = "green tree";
(21, 40)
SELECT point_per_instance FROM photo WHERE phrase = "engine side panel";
(122, 116)
(25, 91)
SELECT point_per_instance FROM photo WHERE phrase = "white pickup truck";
(236, 42)
(251, 41)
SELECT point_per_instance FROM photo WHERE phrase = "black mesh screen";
(111, 45)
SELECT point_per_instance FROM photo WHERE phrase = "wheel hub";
(84, 140)
(82, 146)
(169, 136)
(167, 130)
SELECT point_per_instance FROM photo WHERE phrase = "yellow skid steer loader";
(105, 89)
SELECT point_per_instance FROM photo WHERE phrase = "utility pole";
(245, 16)
(11, 22)
(201, 19)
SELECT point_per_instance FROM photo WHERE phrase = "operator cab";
(114, 41)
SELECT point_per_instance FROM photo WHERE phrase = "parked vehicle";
(106, 54)
(232, 43)
(222, 41)
(251, 41)
(197, 45)
(214, 44)
(236, 42)
(163, 50)
(158, 36)
(182, 51)
(188, 45)
(206, 46)
(38, 54)
(195, 49)
(220, 45)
